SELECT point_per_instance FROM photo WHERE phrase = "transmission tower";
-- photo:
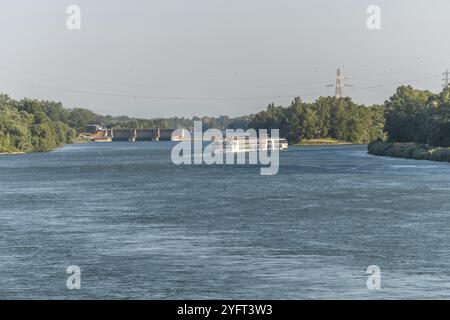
(338, 91)
(339, 84)
(446, 75)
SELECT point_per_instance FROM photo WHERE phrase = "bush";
(440, 154)
(379, 147)
(404, 150)
(421, 154)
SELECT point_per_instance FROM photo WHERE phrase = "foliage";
(221, 122)
(418, 116)
(399, 150)
(327, 117)
(440, 154)
(408, 151)
(29, 125)
(410, 115)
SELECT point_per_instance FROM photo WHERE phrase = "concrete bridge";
(140, 134)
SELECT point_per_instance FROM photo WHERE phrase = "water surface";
(141, 227)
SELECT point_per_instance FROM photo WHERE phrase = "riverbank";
(322, 142)
(408, 151)
(10, 153)
(15, 152)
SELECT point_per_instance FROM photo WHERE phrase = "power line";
(400, 70)
(399, 83)
(143, 97)
(296, 84)
(137, 84)
(180, 98)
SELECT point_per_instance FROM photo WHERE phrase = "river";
(141, 227)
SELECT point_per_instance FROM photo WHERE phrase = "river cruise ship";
(242, 144)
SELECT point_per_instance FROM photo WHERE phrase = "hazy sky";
(213, 57)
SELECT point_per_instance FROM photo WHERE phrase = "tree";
(406, 114)
(78, 118)
(326, 117)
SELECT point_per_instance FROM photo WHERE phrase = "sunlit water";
(140, 227)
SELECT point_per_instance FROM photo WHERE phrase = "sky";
(162, 58)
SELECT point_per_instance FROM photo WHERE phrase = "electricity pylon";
(339, 84)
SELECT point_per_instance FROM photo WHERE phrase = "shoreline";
(32, 151)
(409, 150)
(302, 144)
(323, 142)
(12, 153)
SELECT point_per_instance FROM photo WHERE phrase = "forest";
(417, 126)
(418, 116)
(29, 125)
(409, 116)
(327, 117)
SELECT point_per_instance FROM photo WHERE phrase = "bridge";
(140, 134)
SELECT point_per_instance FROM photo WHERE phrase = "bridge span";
(140, 134)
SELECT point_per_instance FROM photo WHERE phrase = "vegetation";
(327, 117)
(322, 142)
(417, 126)
(418, 116)
(221, 122)
(29, 125)
(408, 151)
(401, 150)
(412, 123)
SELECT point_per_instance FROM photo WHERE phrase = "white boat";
(248, 145)
(279, 143)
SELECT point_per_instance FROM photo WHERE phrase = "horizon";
(212, 116)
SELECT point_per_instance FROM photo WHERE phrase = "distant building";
(93, 128)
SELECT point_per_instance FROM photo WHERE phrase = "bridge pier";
(140, 134)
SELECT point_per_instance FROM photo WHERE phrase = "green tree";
(406, 114)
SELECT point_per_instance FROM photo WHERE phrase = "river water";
(140, 227)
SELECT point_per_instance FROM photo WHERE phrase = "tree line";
(417, 126)
(418, 116)
(29, 125)
(327, 117)
(221, 122)
(410, 115)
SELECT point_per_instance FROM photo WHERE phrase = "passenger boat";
(248, 145)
